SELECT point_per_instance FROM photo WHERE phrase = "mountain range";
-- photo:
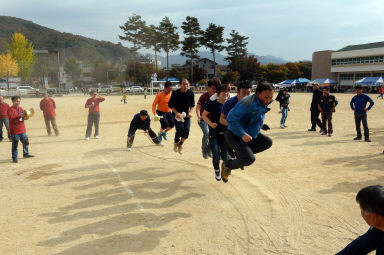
(87, 49)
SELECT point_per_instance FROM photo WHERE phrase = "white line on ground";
(123, 183)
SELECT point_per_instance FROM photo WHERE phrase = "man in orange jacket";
(161, 111)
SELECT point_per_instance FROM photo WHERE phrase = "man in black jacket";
(141, 121)
(314, 108)
(371, 201)
(327, 104)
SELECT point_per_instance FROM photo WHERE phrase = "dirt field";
(93, 197)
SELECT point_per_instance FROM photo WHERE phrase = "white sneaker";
(217, 175)
(128, 148)
(97, 137)
(87, 138)
(282, 126)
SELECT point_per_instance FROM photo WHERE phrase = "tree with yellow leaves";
(22, 52)
(8, 67)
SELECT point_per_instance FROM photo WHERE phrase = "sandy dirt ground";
(94, 197)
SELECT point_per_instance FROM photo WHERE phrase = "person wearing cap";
(315, 112)
(371, 201)
(327, 104)
(93, 114)
(4, 107)
(359, 106)
(161, 110)
(182, 103)
(48, 106)
(140, 121)
(17, 129)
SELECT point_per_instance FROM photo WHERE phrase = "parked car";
(28, 90)
(136, 89)
(108, 89)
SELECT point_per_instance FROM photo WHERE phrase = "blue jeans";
(205, 140)
(284, 112)
(219, 149)
(6, 124)
(15, 142)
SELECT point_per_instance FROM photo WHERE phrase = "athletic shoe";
(210, 154)
(87, 138)
(323, 133)
(161, 144)
(281, 126)
(242, 168)
(367, 139)
(225, 172)
(285, 126)
(180, 148)
(329, 134)
(312, 129)
(357, 138)
(175, 145)
(205, 155)
(128, 148)
(165, 136)
(97, 137)
(217, 175)
(159, 136)
(28, 156)
(14, 160)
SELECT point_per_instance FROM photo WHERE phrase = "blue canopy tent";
(170, 79)
(289, 83)
(370, 81)
(325, 81)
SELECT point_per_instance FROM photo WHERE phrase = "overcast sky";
(289, 29)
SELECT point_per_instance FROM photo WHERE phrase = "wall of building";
(321, 65)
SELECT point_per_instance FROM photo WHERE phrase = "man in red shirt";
(48, 106)
(94, 114)
(17, 128)
(4, 118)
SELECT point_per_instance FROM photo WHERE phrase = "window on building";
(346, 76)
(359, 76)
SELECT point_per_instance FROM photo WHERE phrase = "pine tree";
(152, 40)
(191, 42)
(237, 46)
(134, 33)
(213, 39)
(169, 38)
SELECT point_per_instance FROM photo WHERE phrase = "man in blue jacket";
(371, 201)
(359, 105)
(243, 133)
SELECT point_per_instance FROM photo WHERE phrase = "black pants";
(166, 120)
(93, 118)
(315, 119)
(327, 117)
(361, 118)
(182, 128)
(246, 151)
(151, 133)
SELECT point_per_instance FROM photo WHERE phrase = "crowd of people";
(231, 131)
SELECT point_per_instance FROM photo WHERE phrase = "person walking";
(182, 102)
(243, 133)
(48, 106)
(327, 104)
(4, 107)
(315, 112)
(278, 98)
(380, 92)
(204, 98)
(161, 111)
(17, 129)
(284, 99)
(359, 106)
(93, 114)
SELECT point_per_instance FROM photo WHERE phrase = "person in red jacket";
(17, 128)
(94, 114)
(48, 106)
(4, 118)
(380, 92)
